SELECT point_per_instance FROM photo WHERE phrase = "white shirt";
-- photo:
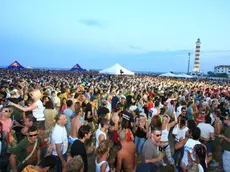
(188, 147)
(59, 136)
(54, 99)
(181, 133)
(200, 168)
(38, 112)
(98, 166)
(153, 112)
(212, 118)
(164, 135)
(206, 130)
(98, 133)
(109, 107)
(168, 101)
(178, 111)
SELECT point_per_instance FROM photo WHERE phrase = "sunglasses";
(184, 111)
(158, 135)
(6, 111)
(34, 135)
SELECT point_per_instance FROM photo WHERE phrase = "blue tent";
(15, 65)
(77, 67)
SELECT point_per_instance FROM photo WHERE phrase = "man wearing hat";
(103, 111)
(122, 103)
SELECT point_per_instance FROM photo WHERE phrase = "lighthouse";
(197, 57)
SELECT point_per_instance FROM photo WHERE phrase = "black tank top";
(140, 133)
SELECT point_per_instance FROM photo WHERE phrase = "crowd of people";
(83, 121)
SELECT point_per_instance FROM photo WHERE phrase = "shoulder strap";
(28, 157)
(31, 153)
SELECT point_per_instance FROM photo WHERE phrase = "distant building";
(222, 69)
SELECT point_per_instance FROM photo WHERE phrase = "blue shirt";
(68, 113)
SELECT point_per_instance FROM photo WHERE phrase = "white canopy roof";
(183, 76)
(169, 74)
(29, 67)
(116, 70)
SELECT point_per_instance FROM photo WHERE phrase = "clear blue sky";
(145, 35)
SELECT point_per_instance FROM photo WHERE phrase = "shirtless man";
(216, 144)
(75, 125)
(126, 155)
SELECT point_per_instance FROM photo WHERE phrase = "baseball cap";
(123, 97)
(133, 108)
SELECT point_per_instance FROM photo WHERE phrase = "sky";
(150, 35)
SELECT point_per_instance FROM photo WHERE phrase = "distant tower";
(197, 57)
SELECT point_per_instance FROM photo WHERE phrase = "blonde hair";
(36, 94)
(75, 164)
(103, 147)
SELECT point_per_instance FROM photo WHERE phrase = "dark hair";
(125, 124)
(52, 92)
(183, 121)
(48, 161)
(217, 113)
(83, 130)
(172, 102)
(201, 153)
(44, 97)
(76, 95)
(190, 103)
(156, 121)
(117, 108)
(6, 107)
(208, 119)
(157, 103)
(58, 116)
(170, 94)
(162, 111)
(69, 103)
(183, 108)
(20, 99)
(49, 105)
(111, 123)
(196, 133)
(153, 129)
(32, 129)
(31, 118)
(104, 121)
(183, 103)
(58, 94)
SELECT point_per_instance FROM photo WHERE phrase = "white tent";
(116, 70)
(28, 67)
(169, 74)
(183, 76)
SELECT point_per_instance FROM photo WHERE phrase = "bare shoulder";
(132, 145)
(103, 166)
(120, 153)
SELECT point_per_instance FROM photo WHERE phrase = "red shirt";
(150, 105)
